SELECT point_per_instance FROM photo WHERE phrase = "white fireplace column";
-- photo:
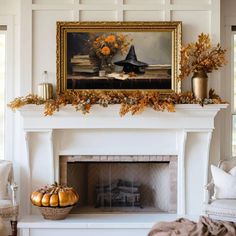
(193, 171)
(186, 133)
(40, 165)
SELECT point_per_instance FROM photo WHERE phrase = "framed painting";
(118, 56)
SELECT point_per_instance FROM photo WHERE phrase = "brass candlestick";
(45, 90)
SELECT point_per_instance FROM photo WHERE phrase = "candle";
(45, 90)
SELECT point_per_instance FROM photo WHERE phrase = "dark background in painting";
(80, 43)
(77, 43)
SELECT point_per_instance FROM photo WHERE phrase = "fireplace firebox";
(122, 183)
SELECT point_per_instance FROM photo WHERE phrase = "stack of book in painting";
(158, 71)
(82, 65)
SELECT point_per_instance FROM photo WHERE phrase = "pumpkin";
(54, 195)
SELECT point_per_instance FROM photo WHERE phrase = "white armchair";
(8, 204)
(223, 209)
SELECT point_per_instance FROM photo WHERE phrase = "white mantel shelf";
(186, 116)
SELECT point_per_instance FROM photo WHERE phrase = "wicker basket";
(55, 213)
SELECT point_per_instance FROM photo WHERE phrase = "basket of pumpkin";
(55, 201)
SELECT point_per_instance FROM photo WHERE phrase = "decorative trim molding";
(181, 194)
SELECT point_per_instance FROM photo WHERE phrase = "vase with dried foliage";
(200, 58)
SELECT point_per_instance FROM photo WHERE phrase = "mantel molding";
(187, 116)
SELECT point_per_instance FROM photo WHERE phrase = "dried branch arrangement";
(201, 55)
(130, 102)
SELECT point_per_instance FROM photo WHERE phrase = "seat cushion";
(7, 210)
(222, 207)
(5, 178)
(5, 203)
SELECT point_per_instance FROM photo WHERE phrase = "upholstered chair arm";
(15, 206)
(14, 188)
(209, 189)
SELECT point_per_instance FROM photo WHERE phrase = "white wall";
(197, 17)
(11, 9)
(39, 41)
(228, 18)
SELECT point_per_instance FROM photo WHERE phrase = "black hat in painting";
(131, 63)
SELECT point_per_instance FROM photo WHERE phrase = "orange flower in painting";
(105, 51)
(98, 39)
(110, 39)
(108, 45)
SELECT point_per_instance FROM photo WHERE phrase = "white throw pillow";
(5, 177)
(225, 183)
(233, 171)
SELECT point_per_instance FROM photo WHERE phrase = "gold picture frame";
(152, 64)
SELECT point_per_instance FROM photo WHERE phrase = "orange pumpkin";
(54, 196)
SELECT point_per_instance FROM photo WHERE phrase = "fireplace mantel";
(186, 116)
(185, 133)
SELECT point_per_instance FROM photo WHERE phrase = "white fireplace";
(185, 134)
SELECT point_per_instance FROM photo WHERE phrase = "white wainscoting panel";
(44, 46)
(195, 22)
(141, 15)
(198, 2)
(95, 2)
(52, 2)
(147, 2)
(97, 15)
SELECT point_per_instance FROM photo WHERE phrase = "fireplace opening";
(122, 183)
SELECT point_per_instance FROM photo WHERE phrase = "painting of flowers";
(106, 46)
(111, 58)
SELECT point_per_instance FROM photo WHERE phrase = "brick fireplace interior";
(122, 183)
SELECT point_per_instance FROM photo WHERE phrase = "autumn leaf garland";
(130, 102)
